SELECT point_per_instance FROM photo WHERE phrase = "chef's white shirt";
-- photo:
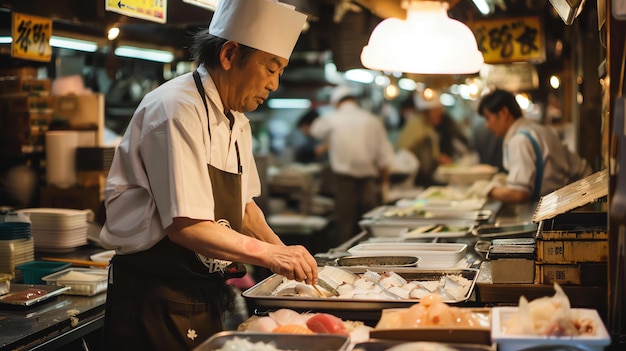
(358, 142)
(159, 171)
(560, 165)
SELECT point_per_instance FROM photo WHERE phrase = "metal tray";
(377, 261)
(385, 227)
(300, 342)
(493, 231)
(260, 294)
(383, 345)
(418, 213)
(52, 291)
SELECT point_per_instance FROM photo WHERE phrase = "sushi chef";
(180, 194)
(536, 160)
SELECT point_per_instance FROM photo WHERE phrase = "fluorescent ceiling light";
(427, 42)
(359, 76)
(482, 6)
(5, 40)
(407, 84)
(145, 54)
(73, 44)
(289, 103)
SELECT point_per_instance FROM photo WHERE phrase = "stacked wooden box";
(572, 248)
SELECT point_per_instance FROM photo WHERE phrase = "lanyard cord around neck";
(200, 87)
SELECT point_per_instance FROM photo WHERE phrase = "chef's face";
(496, 122)
(252, 79)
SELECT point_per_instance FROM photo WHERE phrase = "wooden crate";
(573, 237)
(587, 274)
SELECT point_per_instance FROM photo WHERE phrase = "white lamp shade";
(427, 42)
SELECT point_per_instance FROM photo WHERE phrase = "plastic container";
(82, 281)
(34, 271)
(510, 342)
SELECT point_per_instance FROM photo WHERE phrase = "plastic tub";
(82, 281)
(34, 271)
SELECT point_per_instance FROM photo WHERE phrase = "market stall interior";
(437, 245)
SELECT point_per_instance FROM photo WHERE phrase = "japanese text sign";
(151, 10)
(506, 40)
(31, 37)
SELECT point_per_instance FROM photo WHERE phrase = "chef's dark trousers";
(353, 197)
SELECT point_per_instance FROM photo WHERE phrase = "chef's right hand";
(293, 262)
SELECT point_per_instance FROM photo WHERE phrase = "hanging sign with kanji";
(31, 37)
(507, 40)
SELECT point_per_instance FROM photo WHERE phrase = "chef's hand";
(293, 262)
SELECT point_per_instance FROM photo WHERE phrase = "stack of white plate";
(14, 253)
(58, 229)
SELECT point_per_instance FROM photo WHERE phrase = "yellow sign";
(516, 39)
(31, 37)
(151, 10)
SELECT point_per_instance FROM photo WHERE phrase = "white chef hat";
(426, 103)
(340, 92)
(265, 25)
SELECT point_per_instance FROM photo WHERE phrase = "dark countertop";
(48, 324)
(54, 322)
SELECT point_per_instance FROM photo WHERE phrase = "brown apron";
(169, 297)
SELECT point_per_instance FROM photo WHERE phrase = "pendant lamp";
(427, 42)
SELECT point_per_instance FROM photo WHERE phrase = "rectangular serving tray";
(52, 291)
(431, 255)
(260, 294)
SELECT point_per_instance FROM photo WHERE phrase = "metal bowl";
(377, 261)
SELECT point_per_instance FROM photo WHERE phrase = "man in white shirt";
(536, 160)
(180, 192)
(361, 157)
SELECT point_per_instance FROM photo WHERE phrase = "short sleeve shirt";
(159, 171)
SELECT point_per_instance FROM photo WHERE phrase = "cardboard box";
(82, 112)
(588, 274)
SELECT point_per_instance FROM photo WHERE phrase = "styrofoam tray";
(431, 255)
(508, 342)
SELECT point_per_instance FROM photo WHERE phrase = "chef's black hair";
(497, 100)
(205, 48)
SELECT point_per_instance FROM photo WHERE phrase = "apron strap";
(200, 87)
(538, 163)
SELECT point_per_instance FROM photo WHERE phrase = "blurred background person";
(420, 138)
(536, 160)
(432, 135)
(306, 148)
(361, 157)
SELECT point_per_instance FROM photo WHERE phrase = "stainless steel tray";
(383, 345)
(398, 213)
(494, 231)
(51, 292)
(260, 294)
(377, 261)
(300, 342)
